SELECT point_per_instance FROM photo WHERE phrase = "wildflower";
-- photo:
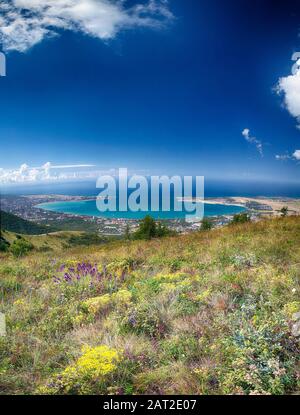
(77, 272)
(96, 304)
(90, 370)
(97, 361)
(122, 297)
(170, 277)
(19, 302)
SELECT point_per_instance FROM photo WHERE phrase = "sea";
(213, 189)
(89, 208)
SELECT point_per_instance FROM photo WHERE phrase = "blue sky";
(168, 89)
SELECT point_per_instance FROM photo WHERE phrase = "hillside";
(56, 241)
(13, 223)
(206, 313)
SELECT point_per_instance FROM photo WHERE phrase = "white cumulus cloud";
(24, 23)
(296, 155)
(253, 140)
(289, 86)
(47, 172)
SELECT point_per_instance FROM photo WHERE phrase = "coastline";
(33, 208)
(268, 205)
(260, 205)
(51, 205)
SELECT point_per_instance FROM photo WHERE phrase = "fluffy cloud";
(24, 23)
(296, 155)
(289, 86)
(284, 157)
(47, 172)
(253, 140)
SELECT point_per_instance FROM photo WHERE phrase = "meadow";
(213, 312)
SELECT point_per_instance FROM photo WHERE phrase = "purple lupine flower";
(85, 271)
(123, 275)
(67, 277)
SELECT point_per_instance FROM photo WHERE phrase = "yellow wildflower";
(291, 308)
(168, 287)
(178, 276)
(203, 296)
(19, 302)
(122, 297)
(97, 361)
(96, 304)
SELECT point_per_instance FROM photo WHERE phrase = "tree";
(284, 211)
(206, 225)
(241, 218)
(163, 230)
(149, 229)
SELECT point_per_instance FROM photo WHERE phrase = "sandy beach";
(267, 205)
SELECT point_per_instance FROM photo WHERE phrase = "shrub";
(284, 211)
(240, 218)
(258, 354)
(206, 225)
(97, 304)
(4, 245)
(20, 247)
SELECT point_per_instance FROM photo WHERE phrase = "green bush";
(206, 225)
(4, 245)
(258, 353)
(21, 247)
(241, 218)
(284, 211)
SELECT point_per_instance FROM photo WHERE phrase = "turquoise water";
(89, 208)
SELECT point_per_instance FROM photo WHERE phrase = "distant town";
(26, 208)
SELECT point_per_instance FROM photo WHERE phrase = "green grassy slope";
(15, 224)
(56, 241)
(207, 313)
